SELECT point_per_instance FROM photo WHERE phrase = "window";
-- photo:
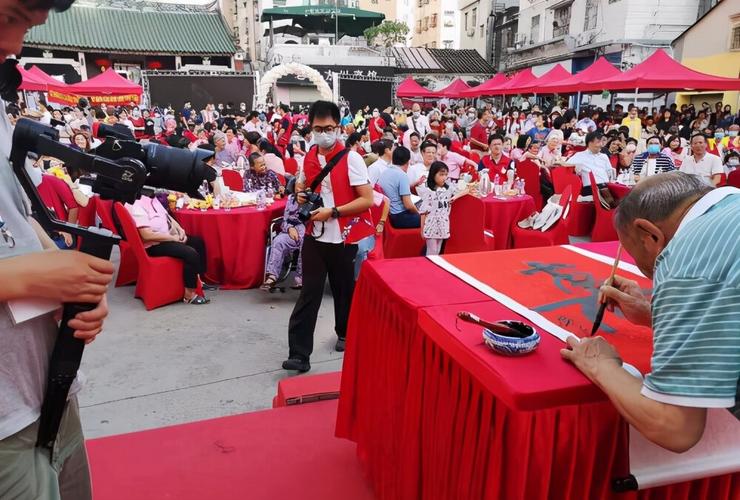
(447, 44)
(466, 21)
(534, 30)
(449, 23)
(592, 13)
(613, 1)
(433, 21)
(481, 31)
(419, 3)
(474, 17)
(425, 26)
(561, 24)
(735, 40)
(418, 25)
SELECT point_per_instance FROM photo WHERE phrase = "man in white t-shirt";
(417, 123)
(705, 165)
(384, 150)
(418, 172)
(330, 245)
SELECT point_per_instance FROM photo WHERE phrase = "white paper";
(717, 453)
(23, 310)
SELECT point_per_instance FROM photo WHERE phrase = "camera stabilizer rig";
(121, 168)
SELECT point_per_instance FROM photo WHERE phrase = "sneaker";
(297, 283)
(297, 365)
(339, 346)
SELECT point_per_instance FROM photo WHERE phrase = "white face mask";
(136, 113)
(326, 140)
(416, 114)
(375, 114)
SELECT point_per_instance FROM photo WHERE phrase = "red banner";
(109, 100)
(62, 98)
(562, 286)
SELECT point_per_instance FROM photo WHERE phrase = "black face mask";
(10, 80)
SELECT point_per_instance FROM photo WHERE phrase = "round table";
(235, 242)
(502, 213)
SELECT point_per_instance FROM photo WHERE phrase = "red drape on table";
(501, 214)
(235, 242)
(429, 423)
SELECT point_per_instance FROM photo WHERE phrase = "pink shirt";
(149, 212)
(454, 161)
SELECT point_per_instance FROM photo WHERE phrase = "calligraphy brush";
(602, 307)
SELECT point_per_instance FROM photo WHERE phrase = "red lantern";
(103, 63)
(154, 65)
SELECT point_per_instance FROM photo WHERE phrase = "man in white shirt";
(705, 165)
(592, 160)
(417, 123)
(384, 150)
(418, 172)
(413, 147)
(253, 123)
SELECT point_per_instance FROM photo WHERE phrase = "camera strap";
(327, 169)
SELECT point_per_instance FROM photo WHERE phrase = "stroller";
(289, 265)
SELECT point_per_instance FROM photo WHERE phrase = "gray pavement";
(182, 363)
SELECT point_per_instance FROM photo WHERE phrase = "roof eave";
(119, 51)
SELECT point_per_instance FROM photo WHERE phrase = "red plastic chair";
(582, 214)
(604, 224)
(291, 166)
(128, 268)
(160, 278)
(722, 180)
(232, 179)
(529, 171)
(557, 234)
(467, 227)
(377, 212)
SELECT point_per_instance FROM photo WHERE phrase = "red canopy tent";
(556, 74)
(43, 77)
(521, 80)
(30, 81)
(455, 89)
(662, 72)
(488, 87)
(107, 88)
(410, 88)
(601, 69)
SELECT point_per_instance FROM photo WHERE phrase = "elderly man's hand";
(591, 355)
(627, 296)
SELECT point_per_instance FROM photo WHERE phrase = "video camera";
(120, 168)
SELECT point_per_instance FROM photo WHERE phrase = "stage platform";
(283, 453)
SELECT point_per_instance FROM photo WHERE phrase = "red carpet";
(277, 454)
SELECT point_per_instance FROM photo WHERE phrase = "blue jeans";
(405, 220)
(364, 247)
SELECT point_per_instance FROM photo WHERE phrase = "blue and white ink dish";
(510, 345)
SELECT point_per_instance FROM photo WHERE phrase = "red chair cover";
(604, 224)
(398, 243)
(128, 268)
(529, 171)
(291, 166)
(734, 178)
(280, 178)
(377, 213)
(582, 213)
(160, 279)
(722, 180)
(467, 227)
(232, 179)
(556, 235)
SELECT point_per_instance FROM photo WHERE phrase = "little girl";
(436, 198)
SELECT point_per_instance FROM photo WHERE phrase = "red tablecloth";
(433, 413)
(235, 242)
(502, 213)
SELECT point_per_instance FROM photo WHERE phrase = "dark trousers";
(335, 260)
(192, 253)
(405, 220)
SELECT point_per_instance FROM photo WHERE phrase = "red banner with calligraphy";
(71, 99)
(562, 286)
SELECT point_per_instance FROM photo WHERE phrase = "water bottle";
(270, 192)
(521, 190)
(203, 190)
(261, 199)
(497, 185)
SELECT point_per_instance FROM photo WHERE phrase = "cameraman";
(330, 244)
(28, 272)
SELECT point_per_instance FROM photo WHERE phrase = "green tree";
(387, 34)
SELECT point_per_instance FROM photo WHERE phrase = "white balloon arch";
(293, 68)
